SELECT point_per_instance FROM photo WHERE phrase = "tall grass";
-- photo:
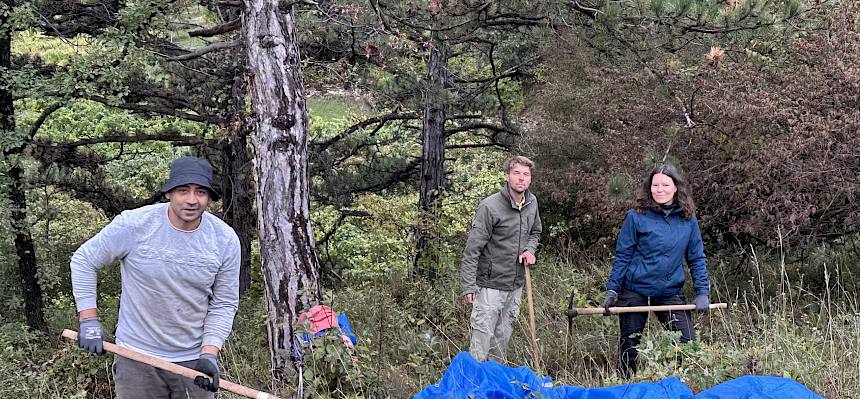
(773, 327)
(796, 320)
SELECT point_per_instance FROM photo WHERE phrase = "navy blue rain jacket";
(650, 254)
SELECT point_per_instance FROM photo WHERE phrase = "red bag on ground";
(321, 318)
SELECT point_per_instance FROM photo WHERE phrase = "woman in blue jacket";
(659, 234)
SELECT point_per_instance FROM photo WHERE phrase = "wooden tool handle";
(640, 309)
(532, 327)
(175, 368)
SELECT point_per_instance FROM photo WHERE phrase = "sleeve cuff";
(85, 303)
(214, 341)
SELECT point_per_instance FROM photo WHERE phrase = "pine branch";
(216, 30)
(43, 117)
(147, 108)
(174, 138)
(381, 120)
(340, 218)
(206, 50)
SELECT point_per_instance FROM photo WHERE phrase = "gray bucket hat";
(191, 170)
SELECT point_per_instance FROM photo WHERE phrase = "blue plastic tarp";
(467, 378)
(759, 387)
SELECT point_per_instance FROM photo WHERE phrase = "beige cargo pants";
(493, 315)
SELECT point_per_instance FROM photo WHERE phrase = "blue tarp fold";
(468, 379)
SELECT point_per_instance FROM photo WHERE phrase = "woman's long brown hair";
(683, 197)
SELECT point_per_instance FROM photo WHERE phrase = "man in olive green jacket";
(502, 242)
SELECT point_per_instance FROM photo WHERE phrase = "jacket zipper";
(519, 246)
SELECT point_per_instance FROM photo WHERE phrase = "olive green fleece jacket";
(500, 234)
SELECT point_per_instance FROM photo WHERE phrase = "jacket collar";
(676, 210)
(527, 195)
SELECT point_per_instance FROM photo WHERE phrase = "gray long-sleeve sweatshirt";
(180, 289)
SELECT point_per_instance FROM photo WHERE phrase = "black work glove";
(702, 303)
(611, 299)
(207, 364)
(90, 335)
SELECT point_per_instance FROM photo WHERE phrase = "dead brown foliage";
(775, 150)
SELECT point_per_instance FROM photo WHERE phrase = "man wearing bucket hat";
(180, 286)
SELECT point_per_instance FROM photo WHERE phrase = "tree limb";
(43, 117)
(287, 5)
(382, 119)
(721, 30)
(65, 18)
(146, 108)
(478, 125)
(477, 145)
(228, 3)
(216, 30)
(512, 22)
(111, 200)
(343, 215)
(176, 139)
(205, 50)
(489, 79)
(396, 177)
(587, 11)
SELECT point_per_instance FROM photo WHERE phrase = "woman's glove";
(611, 299)
(702, 303)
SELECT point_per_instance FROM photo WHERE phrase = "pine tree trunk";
(26, 251)
(24, 248)
(280, 120)
(237, 198)
(236, 181)
(432, 162)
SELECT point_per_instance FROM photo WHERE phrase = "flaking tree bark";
(280, 138)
